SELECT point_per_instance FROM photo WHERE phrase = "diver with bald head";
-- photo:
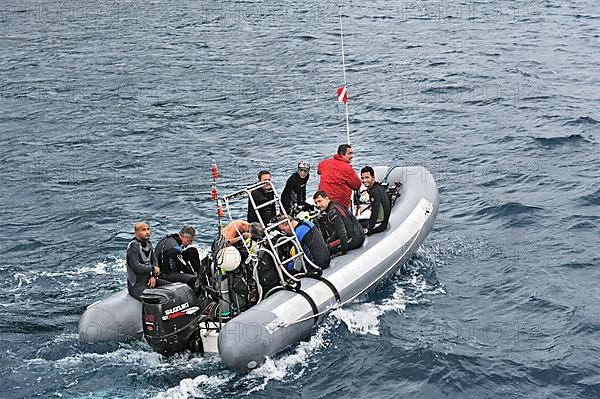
(142, 265)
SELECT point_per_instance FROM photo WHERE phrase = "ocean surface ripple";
(113, 111)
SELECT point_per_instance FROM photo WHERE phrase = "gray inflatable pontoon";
(285, 317)
(116, 318)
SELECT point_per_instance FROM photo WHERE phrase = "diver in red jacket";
(338, 178)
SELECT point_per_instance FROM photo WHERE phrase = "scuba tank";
(233, 284)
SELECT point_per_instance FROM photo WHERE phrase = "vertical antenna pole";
(345, 81)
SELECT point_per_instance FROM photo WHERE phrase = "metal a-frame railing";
(284, 276)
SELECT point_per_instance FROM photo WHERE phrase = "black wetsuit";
(268, 212)
(294, 191)
(313, 244)
(344, 231)
(380, 209)
(140, 262)
(170, 255)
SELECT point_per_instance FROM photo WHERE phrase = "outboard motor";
(171, 318)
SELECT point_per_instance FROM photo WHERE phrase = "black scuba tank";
(171, 318)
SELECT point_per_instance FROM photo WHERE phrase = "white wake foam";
(363, 318)
(113, 264)
(118, 357)
(277, 369)
(20, 280)
(196, 387)
(285, 366)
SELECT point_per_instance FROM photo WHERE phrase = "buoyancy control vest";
(313, 244)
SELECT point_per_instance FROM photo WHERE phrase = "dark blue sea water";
(111, 112)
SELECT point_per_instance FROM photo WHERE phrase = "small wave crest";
(592, 199)
(510, 208)
(560, 140)
(582, 120)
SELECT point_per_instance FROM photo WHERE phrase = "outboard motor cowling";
(171, 318)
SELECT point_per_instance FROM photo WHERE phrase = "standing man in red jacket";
(338, 179)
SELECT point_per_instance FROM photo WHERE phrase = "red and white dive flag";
(342, 94)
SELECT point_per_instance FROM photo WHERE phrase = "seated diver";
(344, 233)
(379, 202)
(311, 239)
(176, 259)
(142, 265)
(261, 196)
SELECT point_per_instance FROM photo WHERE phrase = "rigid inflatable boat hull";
(285, 317)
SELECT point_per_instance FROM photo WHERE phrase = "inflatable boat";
(285, 314)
